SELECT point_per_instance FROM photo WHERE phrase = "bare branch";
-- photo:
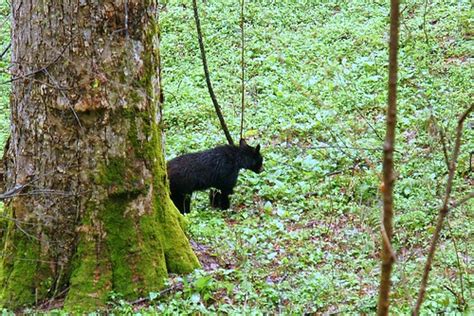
(43, 69)
(5, 50)
(159, 294)
(208, 78)
(458, 261)
(445, 147)
(443, 211)
(463, 200)
(12, 192)
(242, 66)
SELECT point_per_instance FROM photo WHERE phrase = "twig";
(443, 211)
(242, 66)
(445, 148)
(161, 293)
(456, 295)
(47, 192)
(368, 123)
(47, 303)
(18, 188)
(206, 74)
(42, 69)
(3, 254)
(356, 166)
(463, 200)
(336, 138)
(471, 155)
(387, 255)
(12, 192)
(458, 261)
(330, 147)
(65, 97)
(5, 50)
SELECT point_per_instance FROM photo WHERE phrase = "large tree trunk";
(92, 213)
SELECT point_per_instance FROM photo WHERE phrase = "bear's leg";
(178, 200)
(224, 200)
(187, 203)
(182, 202)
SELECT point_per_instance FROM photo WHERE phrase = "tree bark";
(92, 211)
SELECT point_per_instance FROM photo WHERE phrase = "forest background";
(304, 235)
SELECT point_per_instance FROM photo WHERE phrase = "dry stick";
(461, 276)
(242, 65)
(387, 253)
(32, 73)
(443, 211)
(463, 200)
(445, 148)
(206, 74)
(5, 50)
(461, 299)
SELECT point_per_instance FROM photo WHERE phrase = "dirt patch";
(209, 260)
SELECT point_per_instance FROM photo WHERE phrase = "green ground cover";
(304, 235)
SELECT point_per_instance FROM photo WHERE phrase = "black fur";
(216, 168)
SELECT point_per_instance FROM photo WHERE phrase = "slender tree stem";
(206, 74)
(387, 254)
(242, 65)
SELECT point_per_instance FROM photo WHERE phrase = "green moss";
(131, 259)
(91, 278)
(113, 173)
(121, 242)
(151, 265)
(121, 176)
(18, 269)
(135, 248)
(180, 257)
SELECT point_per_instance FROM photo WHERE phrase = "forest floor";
(304, 236)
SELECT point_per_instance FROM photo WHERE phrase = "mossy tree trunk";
(92, 213)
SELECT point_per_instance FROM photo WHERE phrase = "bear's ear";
(242, 143)
(257, 148)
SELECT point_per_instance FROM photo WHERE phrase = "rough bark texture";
(93, 213)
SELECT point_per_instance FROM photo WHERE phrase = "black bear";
(216, 168)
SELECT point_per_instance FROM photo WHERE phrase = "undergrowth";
(303, 237)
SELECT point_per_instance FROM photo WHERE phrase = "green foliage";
(304, 236)
(4, 65)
